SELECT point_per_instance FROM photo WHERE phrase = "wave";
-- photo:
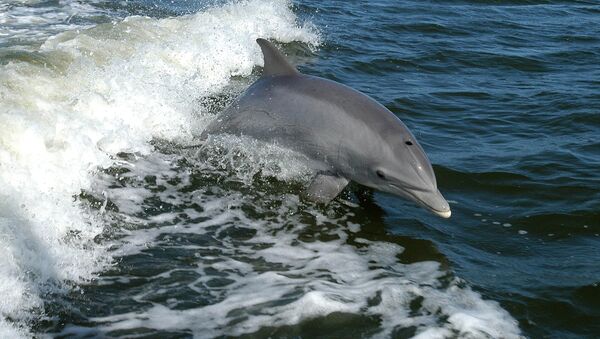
(87, 95)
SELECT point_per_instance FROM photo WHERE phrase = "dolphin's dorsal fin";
(275, 62)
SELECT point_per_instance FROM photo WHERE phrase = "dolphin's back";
(312, 115)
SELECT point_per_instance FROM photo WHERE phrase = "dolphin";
(346, 135)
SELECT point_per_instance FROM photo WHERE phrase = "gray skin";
(345, 134)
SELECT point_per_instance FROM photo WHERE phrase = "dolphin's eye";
(380, 174)
(408, 142)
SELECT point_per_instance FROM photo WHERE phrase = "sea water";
(115, 222)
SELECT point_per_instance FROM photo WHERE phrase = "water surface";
(111, 226)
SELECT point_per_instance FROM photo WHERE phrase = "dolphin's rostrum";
(345, 134)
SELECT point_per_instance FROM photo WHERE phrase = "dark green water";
(503, 96)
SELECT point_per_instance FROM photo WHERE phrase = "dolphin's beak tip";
(432, 200)
(444, 214)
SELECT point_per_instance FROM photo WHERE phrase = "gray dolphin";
(345, 134)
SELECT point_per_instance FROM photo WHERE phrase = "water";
(111, 226)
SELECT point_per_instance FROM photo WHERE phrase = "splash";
(86, 95)
(255, 260)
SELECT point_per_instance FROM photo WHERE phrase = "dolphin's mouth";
(431, 200)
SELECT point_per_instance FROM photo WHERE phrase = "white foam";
(247, 157)
(307, 279)
(345, 285)
(100, 91)
(26, 23)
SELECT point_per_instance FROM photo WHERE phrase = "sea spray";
(69, 107)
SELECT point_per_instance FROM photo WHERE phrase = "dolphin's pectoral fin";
(325, 187)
